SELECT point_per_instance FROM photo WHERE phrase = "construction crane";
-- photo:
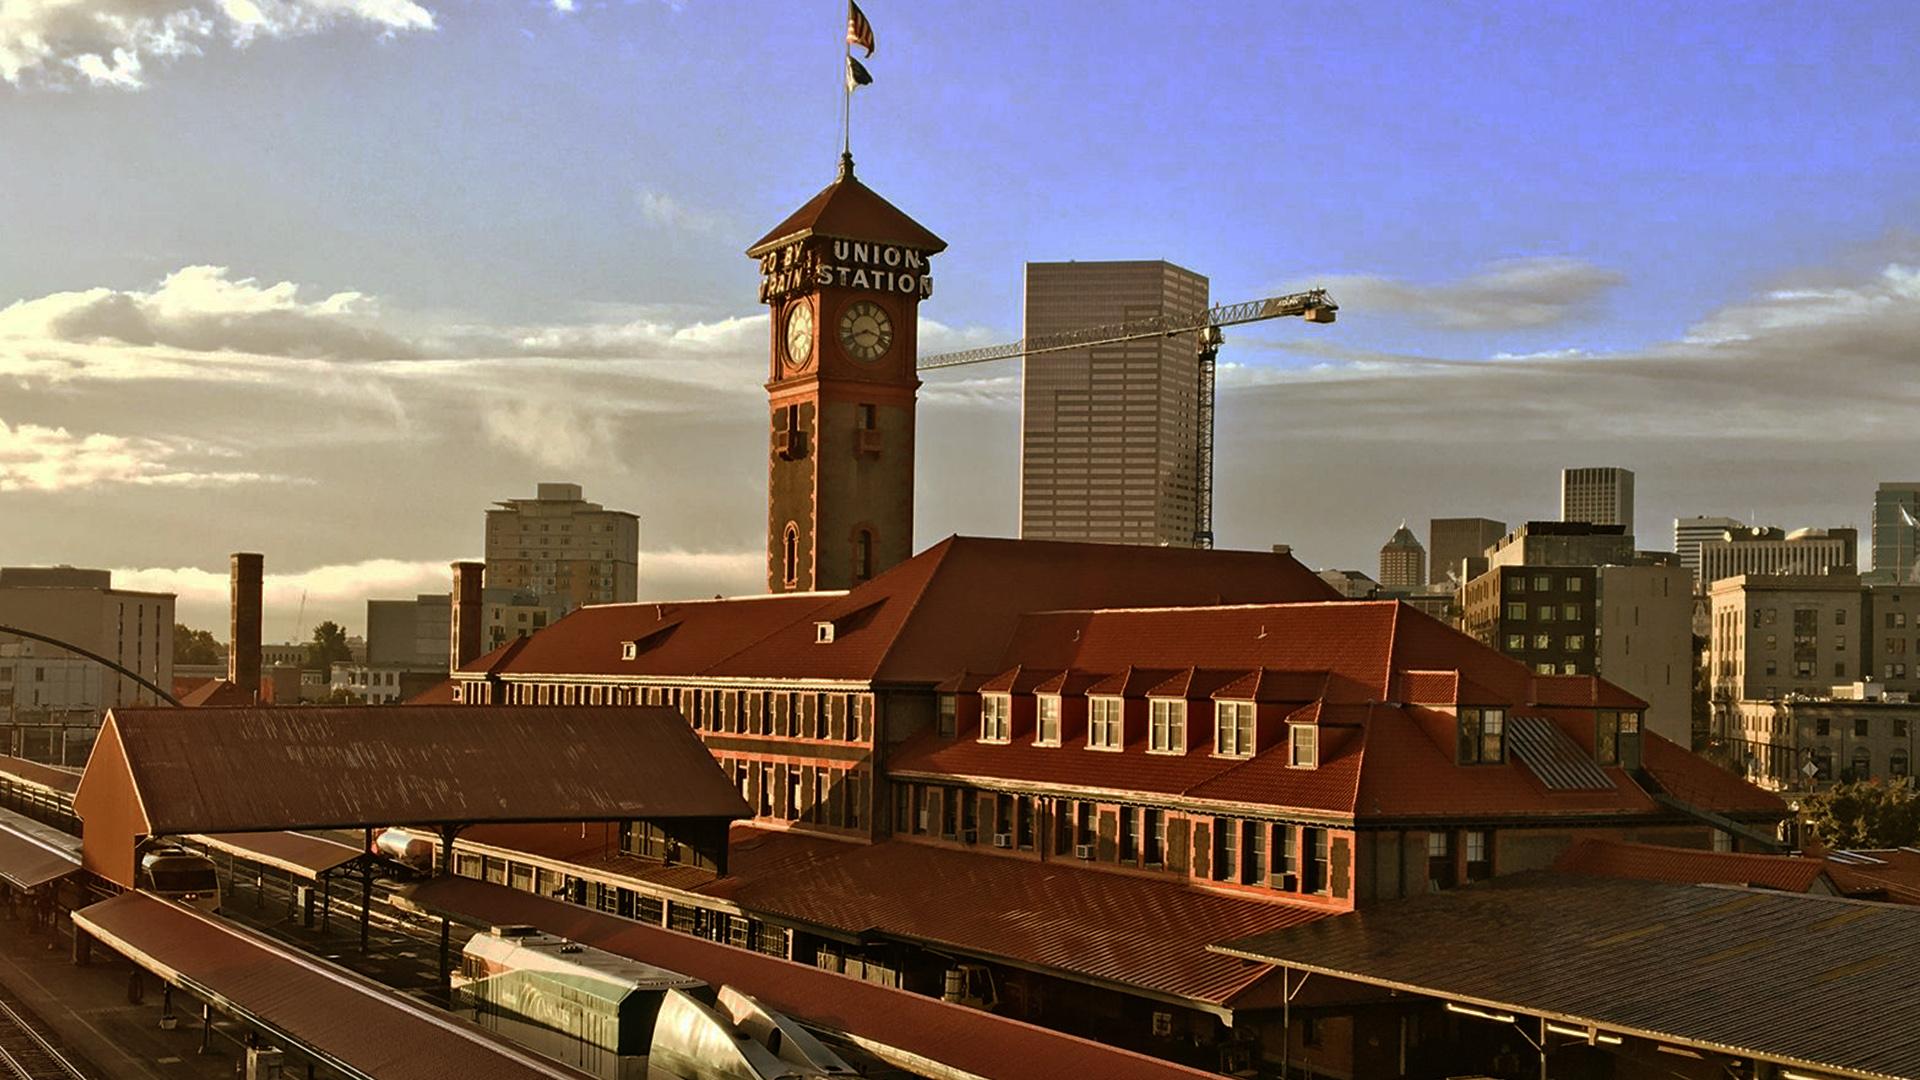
(1314, 306)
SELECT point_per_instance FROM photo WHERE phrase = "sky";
(324, 278)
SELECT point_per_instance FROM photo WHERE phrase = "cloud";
(555, 434)
(202, 309)
(37, 458)
(1517, 294)
(108, 43)
(668, 212)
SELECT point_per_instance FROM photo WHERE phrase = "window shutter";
(1340, 858)
(1177, 845)
(1109, 835)
(1202, 849)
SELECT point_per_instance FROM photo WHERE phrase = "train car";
(178, 874)
(734, 1038)
(580, 1006)
(406, 849)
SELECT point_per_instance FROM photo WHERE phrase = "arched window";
(862, 554)
(790, 555)
(1862, 764)
(1897, 764)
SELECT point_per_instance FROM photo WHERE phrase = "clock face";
(799, 336)
(866, 332)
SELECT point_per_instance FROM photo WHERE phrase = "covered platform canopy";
(296, 854)
(899, 1026)
(1814, 982)
(174, 772)
(337, 1018)
(32, 854)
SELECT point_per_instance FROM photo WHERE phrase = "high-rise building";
(1896, 532)
(1690, 533)
(564, 550)
(1452, 541)
(45, 690)
(1769, 550)
(1403, 562)
(1109, 435)
(1600, 496)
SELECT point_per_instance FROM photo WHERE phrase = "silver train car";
(178, 874)
(620, 1019)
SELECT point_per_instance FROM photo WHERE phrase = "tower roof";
(1403, 538)
(849, 210)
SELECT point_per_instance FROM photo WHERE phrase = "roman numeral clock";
(843, 278)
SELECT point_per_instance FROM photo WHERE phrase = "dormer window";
(629, 650)
(1103, 723)
(1233, 728)
(1303, 746)
(949, 715)
(823, 633)
(1483, 736)
(1616, 738)
(1167, 727)
(1047, 712)
(996, 717)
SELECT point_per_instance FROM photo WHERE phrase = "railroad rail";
(28, 1054)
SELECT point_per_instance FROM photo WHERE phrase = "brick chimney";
(243, 648)
(469, 613)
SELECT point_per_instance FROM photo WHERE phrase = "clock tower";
(843, 278)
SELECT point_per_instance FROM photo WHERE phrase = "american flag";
(859, 30)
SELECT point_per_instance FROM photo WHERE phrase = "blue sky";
(1689, 222)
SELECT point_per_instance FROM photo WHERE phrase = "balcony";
(789, 444)
(867, 441)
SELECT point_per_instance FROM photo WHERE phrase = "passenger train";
(164, 869)
(620, 1019)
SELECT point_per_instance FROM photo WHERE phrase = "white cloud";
(563, 5)
(553, 433)
(1516, 294)
(664, 210)
(109, 42)
(38, 458)
(336, 591)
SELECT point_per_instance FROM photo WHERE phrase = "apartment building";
(564, 550)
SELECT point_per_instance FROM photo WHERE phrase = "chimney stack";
(243, 648)
(468, 613)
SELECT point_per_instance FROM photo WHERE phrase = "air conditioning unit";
(1288, 882)
(969, 836)
(868, 441)
(1001, 839)
(1083, 851)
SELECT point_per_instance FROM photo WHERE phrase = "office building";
(1542, 616)
(1562, 543)
(1108, 435)
(1767, 550)
(1452, 541)
(133, 629)
(1896, 532)
(1403, 562)
(409, 635)
(1644, 632)
(1601, 496)
(1690, 533)
(562, 549)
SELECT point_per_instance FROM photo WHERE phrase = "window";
(1167, 732)
(1899, 727)
(1570, 612)
(1822, 760)
(1516, 642)
(1616, 738)
(1103, 723)
(1517, 612)
(1286, 854)
(1576, 642)
(1047, 707)
(1233, 728)
(790, 555)
(1822, 726)
(1575, 584)
(1479, 856)
(1839, 616)
(1023, 823)
(1440, 860)
(1129, 833)
(1897, 764)
(1860, 726)
(922, 809)
(1315, 843)
(1544, 613)
(1003, 816)
(996, 717)
(869, 418)
(862, 555)
(1304, 741)
(1253, 852)
(1862, 763)
(1226, 849)
(1541, 583)
(1154, 834)
(1482, 736)
(1517, 584)
(949, 714)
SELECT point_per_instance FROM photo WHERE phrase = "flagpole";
(846, 113)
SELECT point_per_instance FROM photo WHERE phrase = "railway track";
(28, 1054)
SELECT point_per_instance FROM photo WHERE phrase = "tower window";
(790, 555)
(863, 554)
(869, 418)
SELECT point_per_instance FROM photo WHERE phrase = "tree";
(329, 645)
(192, 646)
(1865, 814)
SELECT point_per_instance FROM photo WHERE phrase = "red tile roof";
(1654, 862)
(440, 693)
(966, 1040)
(1892, 874)
(675, 638)
(215, 694)
(850, 210)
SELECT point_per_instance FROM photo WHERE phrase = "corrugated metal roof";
(32, 854)
(1654, 862)
(1821, 982)
(360, 1026)
(297, 853)
(50, 777)
(1555, 760)
(978, 1043)
(267, 769)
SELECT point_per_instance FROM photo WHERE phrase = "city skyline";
(593, 321)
